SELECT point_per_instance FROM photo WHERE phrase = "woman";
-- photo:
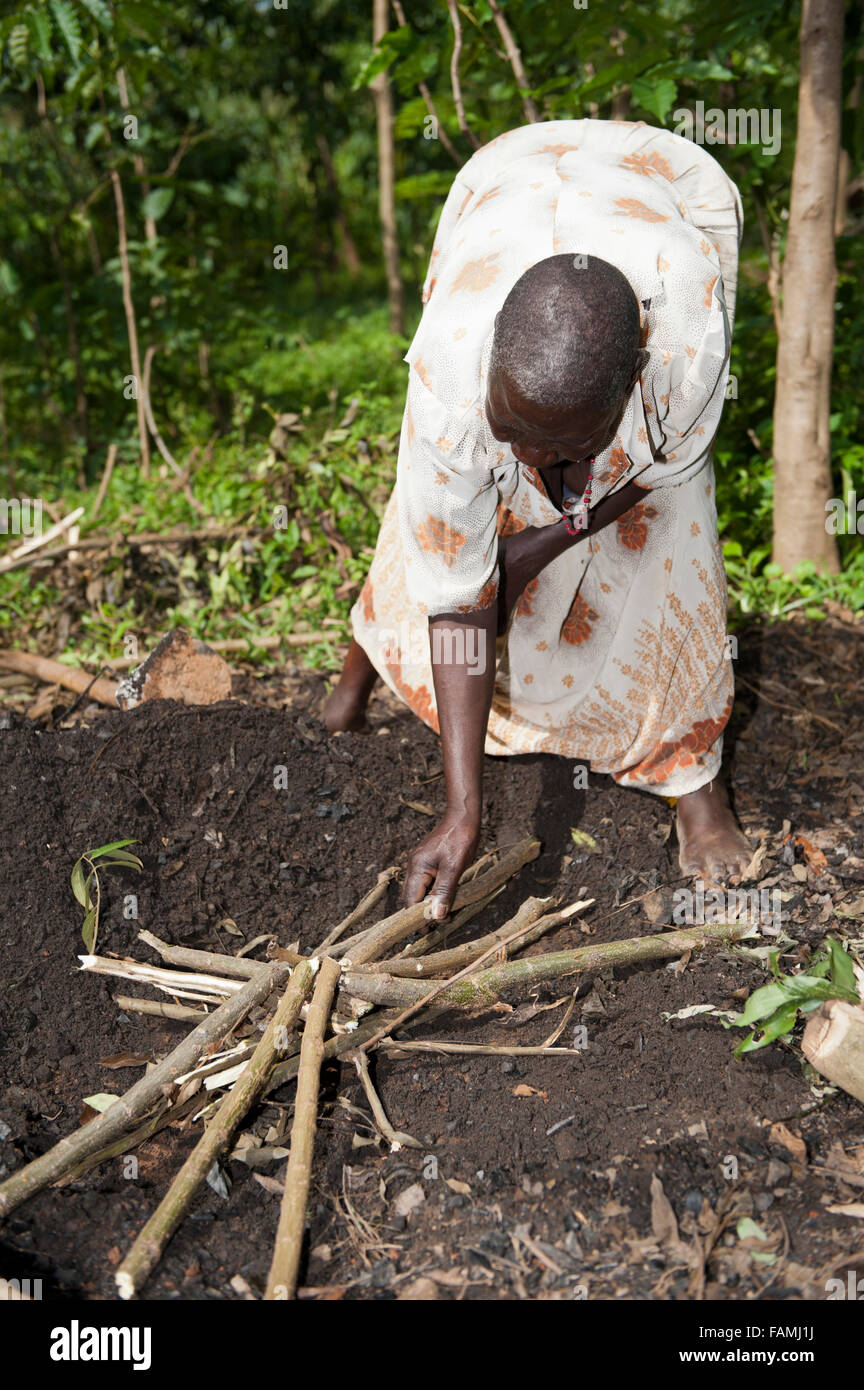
(555, 484)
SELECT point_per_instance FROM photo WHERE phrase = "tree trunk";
(386, 176)
(131, 322)
(350, 255)
(802, 443)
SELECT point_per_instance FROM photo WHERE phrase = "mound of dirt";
(535, 1175)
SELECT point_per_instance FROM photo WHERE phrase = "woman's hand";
(521, 558)
(439, 861)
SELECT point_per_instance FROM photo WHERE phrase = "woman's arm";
(463, 670)
(526, 554)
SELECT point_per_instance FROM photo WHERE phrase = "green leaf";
(100, 12)
(746, 1229)
(157, 203)
(143, 19)
(584, 841)
(781, 1023)
(701, 68)
(89, 929)
(656, 95)
(80, 885)
(18, 44)
(842, 970)
(428, 185)
(122, 859)
(67, 22)
(102, 1101)
(106, 849)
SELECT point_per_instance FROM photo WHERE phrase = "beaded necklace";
(574, 507)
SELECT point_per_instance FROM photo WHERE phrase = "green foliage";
(86, 887)
(255, 130)
(772, 1010)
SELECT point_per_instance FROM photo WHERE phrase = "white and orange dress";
(616, 655)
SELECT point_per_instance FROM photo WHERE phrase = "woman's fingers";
(439, 861)
(420, 874)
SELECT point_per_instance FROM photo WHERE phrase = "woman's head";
(565, 357)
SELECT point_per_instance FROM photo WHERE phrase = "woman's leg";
(345, 708)
(711, 843)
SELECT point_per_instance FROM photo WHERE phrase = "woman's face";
(542, 438)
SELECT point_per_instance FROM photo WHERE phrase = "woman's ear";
(643, 357)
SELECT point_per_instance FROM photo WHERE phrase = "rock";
(409, 1200)
(179, 668)
(778, 1171)
(422, 1290)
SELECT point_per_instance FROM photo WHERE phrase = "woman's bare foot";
(711, 843)
(345, 706)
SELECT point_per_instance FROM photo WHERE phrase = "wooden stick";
(181, 1012)
(105, 480)
(833, 1043)
(147, 1093)
(436, 938)
(35, 542)
(359, 912)
(395, 1045)
(377, 940)
(146, 1250)
(104, 692)
(396, 1138)
(186, 983)
(486, 986)
(282, 1282)
(213, 961)
(444, 962)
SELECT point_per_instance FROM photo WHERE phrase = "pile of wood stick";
(359, 989)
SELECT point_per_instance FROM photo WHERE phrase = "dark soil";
(509, 1206)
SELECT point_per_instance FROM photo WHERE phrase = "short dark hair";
(568, 333)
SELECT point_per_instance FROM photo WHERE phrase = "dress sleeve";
(448, 505)
(683, 400)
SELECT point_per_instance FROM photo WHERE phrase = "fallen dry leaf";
(456, 1186)
(663, 1221)
(523, 1090)
(849, 1209)
(792, 1143)
(814, 857)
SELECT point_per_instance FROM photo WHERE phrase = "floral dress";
(616, 655)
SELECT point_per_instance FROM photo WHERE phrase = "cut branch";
(214, 961)
(282, 1283)
(184, 983)
(487, 986)
(55, 673)
(365, 905)
(147, 1248)
(375, 941)
(147, 1093)
(443, 962)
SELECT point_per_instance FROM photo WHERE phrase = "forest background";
(214, 227)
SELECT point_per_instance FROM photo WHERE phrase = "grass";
(341, 464)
